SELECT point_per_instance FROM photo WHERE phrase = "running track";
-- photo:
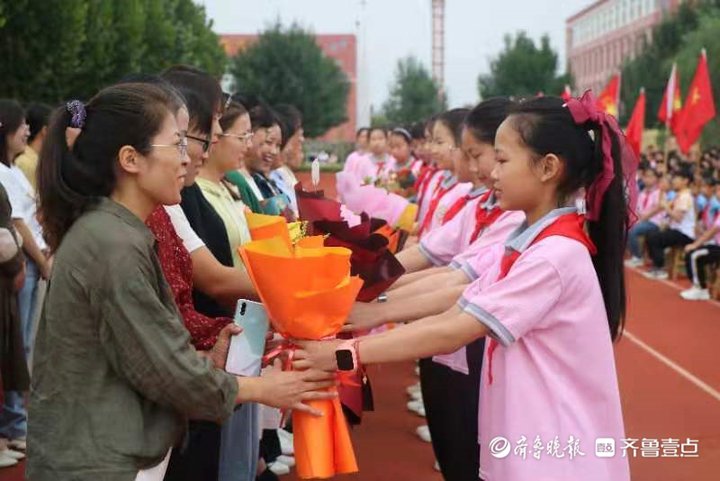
(669, 372)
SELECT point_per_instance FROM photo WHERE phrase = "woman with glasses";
(114, 370)
(226, 156)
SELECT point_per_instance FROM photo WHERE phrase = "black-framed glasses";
(205, 142)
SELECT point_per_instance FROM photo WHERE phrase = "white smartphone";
(248, 347)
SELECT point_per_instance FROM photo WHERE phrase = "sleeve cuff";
(497, 331)
(468, 270)
(436, 261)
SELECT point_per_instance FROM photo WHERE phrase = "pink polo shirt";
(450, 239)
(471, 261)
(649, 200)
(353, 162)
(424, 204)
(554, 372)
(447, 200)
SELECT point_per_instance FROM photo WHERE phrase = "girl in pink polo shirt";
(551, 304)
(651, 214)
(446, 140)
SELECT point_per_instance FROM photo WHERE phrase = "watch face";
(344, 360)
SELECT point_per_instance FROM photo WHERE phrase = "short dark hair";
(454, 119)
(290, 121)
(483, 120)
(37, 116)
(202, 93)
(12, 116)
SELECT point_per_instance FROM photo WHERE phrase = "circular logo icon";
(499, 447)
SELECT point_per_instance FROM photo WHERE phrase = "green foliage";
(413, 97)
(285, 65)
(652, 67)
(523, 69)
(58, 49)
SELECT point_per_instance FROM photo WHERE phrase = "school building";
(602, 36)
(342, 48)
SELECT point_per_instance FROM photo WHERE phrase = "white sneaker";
(7, 461)
(423, 433)
(288, 461)
(417, 407)
(413, 406)
(12, 454)
(413, 390)
(657, 274)
(286, 442)
(437, 466)
(634, 262)
(695, 293)
(279, 468)
(18, 444)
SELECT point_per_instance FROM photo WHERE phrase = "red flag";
(671, 103)
(609, 99)
(566, 94)
(699, 108)
(634, 131)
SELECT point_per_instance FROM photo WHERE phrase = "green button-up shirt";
(115, 377)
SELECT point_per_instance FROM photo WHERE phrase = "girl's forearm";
(423, 305)
(439, 334)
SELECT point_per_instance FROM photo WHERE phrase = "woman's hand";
(691, 247)
(363, 317)
(290, 389)
(316, 355)
(219, 352)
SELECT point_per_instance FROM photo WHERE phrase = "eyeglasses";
(246, 137)
(182, 147)
(205, 142)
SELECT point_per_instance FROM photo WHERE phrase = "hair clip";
(77, 110)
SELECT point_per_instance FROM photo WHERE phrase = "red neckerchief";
(568, 225)
(438, 194)
(460, 205)
(484, 217)
(426, 175)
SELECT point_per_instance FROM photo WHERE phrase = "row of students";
(671, 216)
(548, 301)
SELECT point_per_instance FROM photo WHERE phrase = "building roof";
(586, 10)
(234, 42)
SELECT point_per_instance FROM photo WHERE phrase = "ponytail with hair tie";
(77, 112)
(584, 110)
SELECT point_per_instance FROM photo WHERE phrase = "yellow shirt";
(27, 162)
(231, 211)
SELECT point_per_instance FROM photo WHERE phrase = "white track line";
(674, 366)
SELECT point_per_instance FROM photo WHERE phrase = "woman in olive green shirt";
(115, 377)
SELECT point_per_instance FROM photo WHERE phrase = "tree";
(523, 69)
(687, 59)
(414, 95)
(59, 49)
(286, 65)
(651, 68)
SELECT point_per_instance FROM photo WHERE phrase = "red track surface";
(658, 401)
